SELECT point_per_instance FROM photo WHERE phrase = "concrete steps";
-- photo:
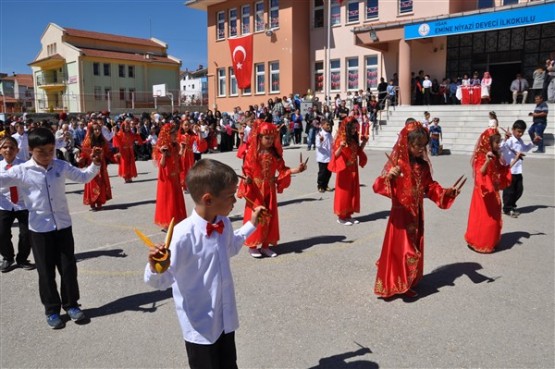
(461, 124)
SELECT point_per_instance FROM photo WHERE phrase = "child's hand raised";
(257, 213)
(394, 172)
(96, 155)
(159, 258)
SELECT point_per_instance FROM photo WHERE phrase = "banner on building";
(241, 56)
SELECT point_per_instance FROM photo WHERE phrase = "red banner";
(241, 56)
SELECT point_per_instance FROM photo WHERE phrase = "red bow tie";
(218, 227)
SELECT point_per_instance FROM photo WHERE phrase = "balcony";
(51, 82)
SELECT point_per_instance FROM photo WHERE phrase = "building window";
(131, 94)
(485, 4)
(510, 2)
(352, 74)
(121, 70)
(372, 71)
(274, 76)
(335, 12)
(97, 93)
(246, 19)
(405, 6)
(318, 14)
(96, 69)
(107, 95)
(131, 71)
(247, 91)
(352, 11)
(319, 76)
(221, 82)
(220, 25)
(106, 69)
(122, 94)
(274, 13)
(259, 16)
(260, 78)
(371, 9)
(232, 83)
(232, 31)
(335, 75)
(51, 49)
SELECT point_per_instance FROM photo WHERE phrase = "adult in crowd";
(539, 119)
(519, 87)
(539, 78)
(486, 87)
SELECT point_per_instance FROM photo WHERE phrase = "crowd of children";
(202, 243)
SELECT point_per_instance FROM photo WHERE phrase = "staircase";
(461, 125)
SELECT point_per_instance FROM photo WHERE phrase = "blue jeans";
(536, 129)
(310, 139)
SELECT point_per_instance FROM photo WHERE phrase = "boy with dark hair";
(41, 181)
(513, 148)
(199, 271)
(12, 208)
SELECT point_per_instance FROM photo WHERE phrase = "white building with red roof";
(82, 71)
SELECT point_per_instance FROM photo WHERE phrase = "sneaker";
(329, 189)
(27, 265)
(267, 252)
(354, 221)
(321, 190)
(253, 251)
(539, 152)
(346, 222)
(6, 266)
(76, 314)
(55, 322)
(514, 213)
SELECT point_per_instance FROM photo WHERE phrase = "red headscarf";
(262, 128)
(164, 139)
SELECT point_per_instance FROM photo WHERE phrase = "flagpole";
(327, 58)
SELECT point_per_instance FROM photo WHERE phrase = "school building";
(80, 71)
(335, 46)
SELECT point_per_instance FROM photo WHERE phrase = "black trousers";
(324, 175)
(7, 218)
(222, 354)
(512, 193)
(56, 250)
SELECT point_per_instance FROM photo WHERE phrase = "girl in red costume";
(124, 141)
(491, 175)
(169, 196)
(263, 161)
(97, 191)
(406, 179)
(189, 136)
(347, 155)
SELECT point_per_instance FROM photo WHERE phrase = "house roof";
(110, 37)
(127, 56)
(54, 57)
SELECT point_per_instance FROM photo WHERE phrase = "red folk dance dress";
(188, 141)
(346, 199)
(124, 142)
(170, 202)
(98, 191)
(261, 166)
(483, 231)
(401, 261)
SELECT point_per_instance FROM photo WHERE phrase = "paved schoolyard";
(313, 306)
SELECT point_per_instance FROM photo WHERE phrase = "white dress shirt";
(43, 191)
(5, 197)
(200, 277)
(323, 147)
(510, 148)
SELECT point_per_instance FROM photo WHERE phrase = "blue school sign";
(525, 16)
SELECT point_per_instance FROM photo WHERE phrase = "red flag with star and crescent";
(241, 56)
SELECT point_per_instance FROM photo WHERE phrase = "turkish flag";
(241, 56)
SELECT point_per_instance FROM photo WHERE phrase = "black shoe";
(7, 265)
(539, 151)
(26, 265)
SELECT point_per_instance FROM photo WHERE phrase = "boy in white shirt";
(41, 182)
(199, 271)
(12, 208)
(513, 148)
(324, 143)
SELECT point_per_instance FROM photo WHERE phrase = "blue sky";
(22, 23)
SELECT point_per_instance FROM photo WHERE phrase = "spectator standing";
(539, 119)
(22, 141)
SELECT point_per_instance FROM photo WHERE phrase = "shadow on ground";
(131, 303)
(298, 246)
